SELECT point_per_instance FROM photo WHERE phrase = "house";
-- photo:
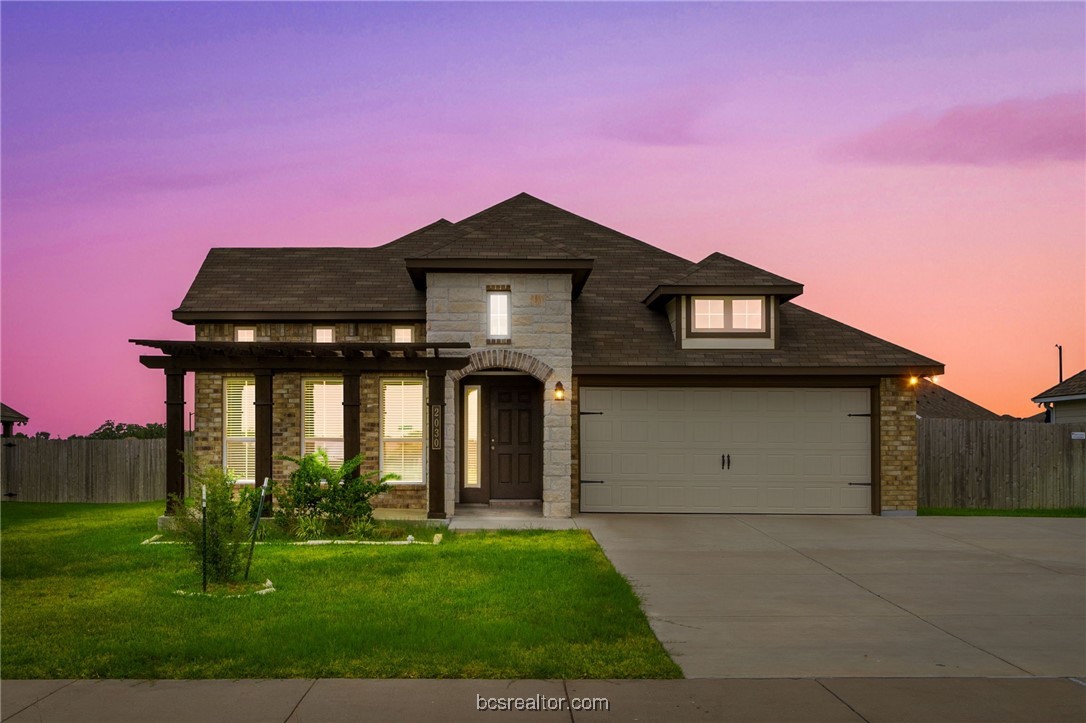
(9, 418)
(934, 401)
(1065, 402)
(528, 355)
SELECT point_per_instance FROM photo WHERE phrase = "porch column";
(352, 403)
(263, 425)
(435, 447)
(175, 438)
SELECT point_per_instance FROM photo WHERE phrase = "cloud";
(1014, 131)
(675, 117)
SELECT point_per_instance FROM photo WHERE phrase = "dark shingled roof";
(611, 327)
(1073, 387)
(716, 269)
(936, 402)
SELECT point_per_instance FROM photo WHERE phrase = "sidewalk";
(876, 700)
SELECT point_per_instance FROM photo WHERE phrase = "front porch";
(497, 515)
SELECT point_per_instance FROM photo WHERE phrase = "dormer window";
(727, 315)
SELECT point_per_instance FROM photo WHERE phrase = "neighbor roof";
(612, 329)
(937, 402)
(7, 414)
(1065, 391)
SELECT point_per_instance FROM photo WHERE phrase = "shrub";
(229, 519)
(332, 495)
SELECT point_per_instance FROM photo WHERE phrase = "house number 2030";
(435, 426)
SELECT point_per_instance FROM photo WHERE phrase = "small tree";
(228, 519)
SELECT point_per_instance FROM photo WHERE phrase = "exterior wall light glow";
(913, 381)
(559, 392)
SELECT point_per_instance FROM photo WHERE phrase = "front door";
(511, 439)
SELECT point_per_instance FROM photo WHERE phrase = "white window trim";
(226, 438)
(729, 327)
(381, 438)
(317, 329)
(239, 329)
(410, 332)
(509, 313)
(341, 439)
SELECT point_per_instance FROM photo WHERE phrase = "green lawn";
(1022, 512)
(83, 599)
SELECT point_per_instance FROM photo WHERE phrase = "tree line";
(111, 430)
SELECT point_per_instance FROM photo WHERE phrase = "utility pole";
(1059, 347)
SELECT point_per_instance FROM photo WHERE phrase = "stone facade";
(287, 403)
(540, 345)
(897, 445)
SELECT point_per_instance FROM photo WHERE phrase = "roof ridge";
(706, 262)
(503, 219)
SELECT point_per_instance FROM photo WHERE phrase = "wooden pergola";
(266, 359)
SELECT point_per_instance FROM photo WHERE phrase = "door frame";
(486, 381)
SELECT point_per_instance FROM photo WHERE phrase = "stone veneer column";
(897, 446)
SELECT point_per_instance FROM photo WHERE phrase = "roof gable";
(1067, 390)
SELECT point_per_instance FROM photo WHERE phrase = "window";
(322, 418)
(402, 429)
(497, 314)
(245, 333)
(403, 334)
(726, 315)
(472, 433)
(709, 314)
(324, 334)
(747, 314)
(239, 427)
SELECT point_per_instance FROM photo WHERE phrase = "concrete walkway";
(762, 596)
(828, 700)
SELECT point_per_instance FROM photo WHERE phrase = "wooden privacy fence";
(976, 464)
(84, 470)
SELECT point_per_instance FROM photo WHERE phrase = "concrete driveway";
(801, 596)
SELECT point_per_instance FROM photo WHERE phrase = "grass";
(1021, 512)
(83, 599)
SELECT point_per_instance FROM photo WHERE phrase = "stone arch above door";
(504, 359)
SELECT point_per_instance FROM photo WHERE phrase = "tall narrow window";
(245, 333)
(472, 434)
(402, 418)
(498, 312)
(239, 428)
(322, 418)
(403, 334)
(324, 334)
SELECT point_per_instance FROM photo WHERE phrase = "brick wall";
(897, 444)
(287, 403)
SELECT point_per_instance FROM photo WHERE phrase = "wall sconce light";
(559, 392)
(913, 381)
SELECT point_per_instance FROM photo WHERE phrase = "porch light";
(559, 392)
(913, 381)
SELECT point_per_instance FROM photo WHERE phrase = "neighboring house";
(9, 418)
(528, 354)
(937, 402)
(1066, 401)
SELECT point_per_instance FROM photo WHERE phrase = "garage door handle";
(592, 482)
(725, 461)
(859, 484)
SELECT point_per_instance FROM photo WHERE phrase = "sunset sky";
(919, 167)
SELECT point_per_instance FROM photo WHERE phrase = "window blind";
(322, 418)
(402, 419)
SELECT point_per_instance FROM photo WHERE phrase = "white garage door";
(725, 450)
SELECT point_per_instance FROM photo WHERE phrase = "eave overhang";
(762, 371)
(241, 317)
(579, 269)
(1058, 398)
(665, 292)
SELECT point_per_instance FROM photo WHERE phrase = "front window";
(324, 334)
(403, 335)
(727, 314)
(498, 314)
(322, 418)
(245, 333)
(402, 418)
(239, 427)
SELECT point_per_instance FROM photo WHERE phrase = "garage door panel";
(791, 450)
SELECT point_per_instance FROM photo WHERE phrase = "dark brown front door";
(514, 461)
(512, 439)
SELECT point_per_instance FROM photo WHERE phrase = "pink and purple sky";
(920, 167)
